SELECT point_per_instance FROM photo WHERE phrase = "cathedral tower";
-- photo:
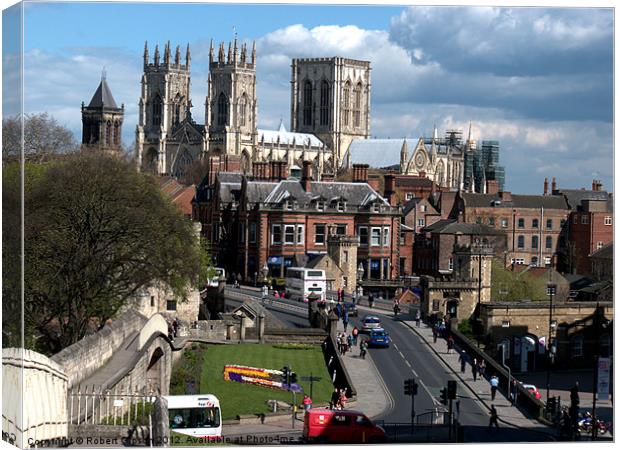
(102, 121)
(330, 97)
(231, 106)
(164, 104)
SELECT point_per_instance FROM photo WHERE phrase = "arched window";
(307, 103)
(548, 242)
(157, 111)
(243, 103)
(324, 118)
(222, 110)
(534, 242)
(346, 104)
(357, 104)
(108, 134)
(520, 241)
(117, 137)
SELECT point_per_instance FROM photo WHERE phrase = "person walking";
(494, 384)
(435, 334)
(493, 418)
(265, 293)
(333, 401)
(350, 340)
(474, 368)
(396, 308)
(450, 343)
(463, 361)
(514, 390)
(481, 368)
(345, 319)
(417, 318)
(371, 299)
(307, 402)
(363, 347)
(354, 334)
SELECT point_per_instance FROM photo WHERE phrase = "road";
(408, 357)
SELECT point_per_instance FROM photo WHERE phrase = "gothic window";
(324, 103)
(242, 109)
(222, 110)
(307, 103)
(357, 104)
(182, 163)
(346, 107)
(108, 134)
(157, 111)
(117, 133)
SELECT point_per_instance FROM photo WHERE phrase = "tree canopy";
(96, 232)
(510, 286)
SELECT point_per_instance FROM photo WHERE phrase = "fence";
(95, 406)
(432, 426)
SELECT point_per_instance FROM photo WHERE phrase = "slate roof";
(103, 97)
(575, 196)
(517, 201)
(411, 181)
(451, 226)
(258, 191)
(287, 137)
(355, 194)
(605, 252)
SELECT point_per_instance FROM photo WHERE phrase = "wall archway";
(155, 372)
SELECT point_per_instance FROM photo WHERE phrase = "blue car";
(379, 338)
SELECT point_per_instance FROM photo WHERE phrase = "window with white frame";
(599, 244)
(341, 229)
(376, 207)
(375, 236)
(320, 206)
(289, 234)
(386, 236)
(607, 220)
(547, 260)
(300, 234)
(276, 234)
(421, 222)
(319, 234)
(585, 220)
(504, 223)
(342, 206)
(408, 196)
(362, 232)
(518, 260)
(423, 208)
(576, 346)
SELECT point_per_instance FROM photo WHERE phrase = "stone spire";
(435, 134)
(229, 60)
(243, 53)
(211, 52)
(146, 53)
(404, 156)
(253, 52)
(177, 56)
(167, 54)
(235, 50)
(156, 58)
(220, 56)
(187, 57)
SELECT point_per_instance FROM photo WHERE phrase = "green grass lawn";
(240, 399)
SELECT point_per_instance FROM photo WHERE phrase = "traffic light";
(443, 396)
(409, 386)
(293, 377)
(451, 389)
(285, 375)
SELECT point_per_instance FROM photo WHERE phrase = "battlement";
(166, 64)
(235, 57)
(334, 60)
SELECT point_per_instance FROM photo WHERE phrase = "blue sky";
(539, 80)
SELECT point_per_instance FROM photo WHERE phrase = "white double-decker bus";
(195, 415)
(218, 272)
(301, 282)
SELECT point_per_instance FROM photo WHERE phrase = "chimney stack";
(259, 170)
(306, 175)
(505, 196)
(546, 187)
(597, 185)
(553, 186)
(360, 173)
(388, 190)
(493, 187)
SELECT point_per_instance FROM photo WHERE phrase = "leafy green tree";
(510, 286)
(96, 232)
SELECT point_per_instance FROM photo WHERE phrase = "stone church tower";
(231, 105)
(167, 139)
(330, 97)
(102, 121)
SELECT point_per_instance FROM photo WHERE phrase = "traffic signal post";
(411, 389)
(288, 378)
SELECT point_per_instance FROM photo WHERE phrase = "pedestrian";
(339, 343)
(307, 402)
(434, 334)
(354, 333)
(417, 318)
(333, 402)
(276, 294)
(350, 340)
(265, 293)
(481, 368)
(514, 390)
(371, 299)
(463, 361)
(345, 320)
(342, 399)
(396, 308)
(494, 384)
(474, 368)
(493, 419)
(363, 347)
(450, 343)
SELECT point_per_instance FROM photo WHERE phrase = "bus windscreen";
(183, 418)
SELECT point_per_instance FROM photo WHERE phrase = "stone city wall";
(83, 358)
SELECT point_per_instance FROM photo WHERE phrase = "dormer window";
(376, 207)
(320, 206)
(341, 206)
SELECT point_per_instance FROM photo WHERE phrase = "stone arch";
(222, 110)
(243, 109)
(155, 371)
(346, 104)
(324, 99)
(307, 102)
(150, 159)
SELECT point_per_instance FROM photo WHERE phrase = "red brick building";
(399, 189)
(273, 222)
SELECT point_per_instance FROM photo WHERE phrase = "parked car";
(351, 309)
(379, 338)
(325, 426)
(532, 390)
(369, 323)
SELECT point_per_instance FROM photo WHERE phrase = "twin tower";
(330, 104)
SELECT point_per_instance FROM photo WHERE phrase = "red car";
(325, 426)
(532, 390)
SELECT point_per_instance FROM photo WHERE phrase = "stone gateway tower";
(330, 97)
(102, 121)
(167, 139)
(231, 105)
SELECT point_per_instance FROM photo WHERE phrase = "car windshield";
(380, 333)
(370, 320)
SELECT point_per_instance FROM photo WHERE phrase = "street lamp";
(551, 291)
(360, 277)
(264, 271)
